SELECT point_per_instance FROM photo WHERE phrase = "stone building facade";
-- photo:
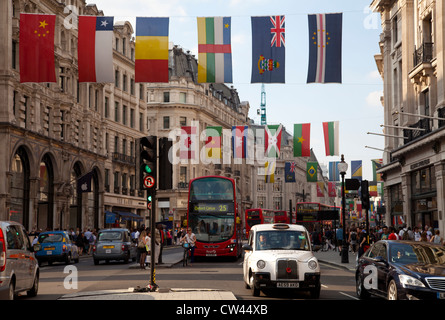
(411, 63)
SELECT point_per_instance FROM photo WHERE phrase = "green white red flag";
(331, 138)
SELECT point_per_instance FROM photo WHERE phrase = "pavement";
(170, 259)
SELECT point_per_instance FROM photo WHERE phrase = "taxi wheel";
(255, 291)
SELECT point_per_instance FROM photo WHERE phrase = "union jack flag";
(277, 31)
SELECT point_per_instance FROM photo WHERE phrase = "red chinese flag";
(37, 48)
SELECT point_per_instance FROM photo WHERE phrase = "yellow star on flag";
(43, 24)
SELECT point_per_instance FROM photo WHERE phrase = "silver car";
(19, 270)
(114, 244)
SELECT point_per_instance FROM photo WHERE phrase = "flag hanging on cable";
(289, 171)
(332, 189)
(331, 138)
(84, 182)
(311, 171)
(325, 42)
(239, 141)
(302, 140)
(356, 169)
(268, 49)
(95, 49)
(188, 143)
(37, 47)
(273, 140)
(334, 174)
(270, 171)
(213, 143)
(151, 50)
(214, 50)
(376, 164)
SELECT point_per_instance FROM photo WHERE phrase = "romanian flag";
(95, 49)
(325, 41)
(302, 140)
(151, 50)
(37, 48)
(214, 50)
(331, 138)
(213, 143)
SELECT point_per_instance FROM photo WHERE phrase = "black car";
(402, 270)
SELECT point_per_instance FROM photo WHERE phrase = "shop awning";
(128, 215)
(110, 217)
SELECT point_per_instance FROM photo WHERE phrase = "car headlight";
(312, 264)
(406, 280)
(261, 264)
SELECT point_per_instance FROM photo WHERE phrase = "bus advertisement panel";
(212, 216)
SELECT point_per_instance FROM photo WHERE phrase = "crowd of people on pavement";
(356, 236)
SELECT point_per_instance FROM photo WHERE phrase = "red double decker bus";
(314, 214)
(281, 216)
(212, 216)
(258, 216)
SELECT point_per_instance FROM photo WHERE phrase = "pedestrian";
(385, 233)
(424, 236)
(392, 234)
(80, 243)
(339, 235)
(437, 238)
(362, 242)
(190, 238)
(160, 239)
(353, 240)
(416, 234)
(142, 242)
(91, 242)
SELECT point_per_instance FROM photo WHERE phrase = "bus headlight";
(261, 264)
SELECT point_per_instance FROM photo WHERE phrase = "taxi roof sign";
(281, 226)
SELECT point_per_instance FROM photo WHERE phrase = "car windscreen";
(282, 240)
(110, 236)
(45, 238)
(417, 253)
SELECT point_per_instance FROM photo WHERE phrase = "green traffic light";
(149, 198)
(146, 168)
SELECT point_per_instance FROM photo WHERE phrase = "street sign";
(149, 181)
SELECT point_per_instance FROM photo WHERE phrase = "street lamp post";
(342, 168)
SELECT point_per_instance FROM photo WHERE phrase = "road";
(57, 280)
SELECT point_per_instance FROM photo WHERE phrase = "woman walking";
(142, 242)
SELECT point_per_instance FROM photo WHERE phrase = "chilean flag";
(95, 49)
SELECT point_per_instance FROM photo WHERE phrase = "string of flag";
(95, 52)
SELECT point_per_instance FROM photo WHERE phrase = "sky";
(355, 103)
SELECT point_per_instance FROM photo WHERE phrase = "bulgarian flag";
(331, 138)
(302, 140)
(213, 143)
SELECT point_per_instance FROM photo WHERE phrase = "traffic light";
(147, 162)
(165, 165)
(365, 195)
(149, 201)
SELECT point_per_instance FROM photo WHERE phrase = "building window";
(182, 97)
(166, 96)
(183, 175)
(116, 111)
(124, 82)
(182, 121)
(166, 122)
(116, 79)
(124, 114)
(132, 118)
(106, 107)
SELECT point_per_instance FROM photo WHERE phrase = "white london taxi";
(279, 256)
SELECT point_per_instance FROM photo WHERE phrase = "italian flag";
(331, 136)
(302, 140)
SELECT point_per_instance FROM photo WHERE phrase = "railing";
(415, 134)
(123, 158)
(423, 54)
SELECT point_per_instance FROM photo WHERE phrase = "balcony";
(424, 54)
(415, 134)
(123, 158)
